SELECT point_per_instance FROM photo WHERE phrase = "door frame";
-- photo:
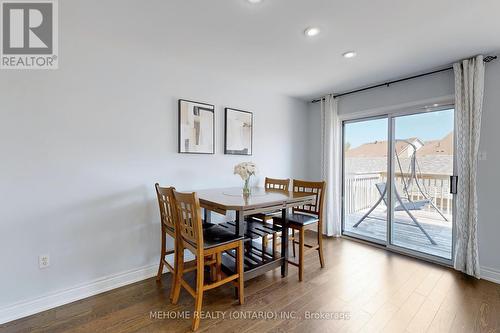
(392, 112)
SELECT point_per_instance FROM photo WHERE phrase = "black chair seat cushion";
(216, 235)
(207, 225)
(298, 219)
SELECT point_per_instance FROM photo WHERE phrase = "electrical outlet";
(43, 261)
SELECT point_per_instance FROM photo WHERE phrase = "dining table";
(257, 260)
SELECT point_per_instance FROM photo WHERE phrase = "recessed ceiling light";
(350, 54)
(312, 31)
(254, 1)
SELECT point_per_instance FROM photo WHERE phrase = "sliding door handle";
(453, 184)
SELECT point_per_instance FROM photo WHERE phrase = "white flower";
(245, 170)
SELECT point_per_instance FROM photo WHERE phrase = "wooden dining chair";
(168, 218)
(274, 184)
(303, 217)
(277, 184)
(202, 243)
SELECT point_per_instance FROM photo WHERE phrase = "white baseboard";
(490, 274)
(52, 300)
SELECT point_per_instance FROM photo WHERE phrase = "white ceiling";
(264, 44)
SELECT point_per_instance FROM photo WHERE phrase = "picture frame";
(238, 132)
(196, 127)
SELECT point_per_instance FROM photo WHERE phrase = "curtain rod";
(387, 84)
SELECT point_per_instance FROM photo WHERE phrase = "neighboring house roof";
(376, 149)
(379, 148)
(433, 157)
(440, 164)
(438, 147)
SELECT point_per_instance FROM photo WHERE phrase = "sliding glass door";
(365, 164)
(422, 164)
(397, 174)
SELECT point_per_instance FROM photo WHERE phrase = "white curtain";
(330, 165)
(469, 88)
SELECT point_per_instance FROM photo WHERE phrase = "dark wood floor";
(377, 290)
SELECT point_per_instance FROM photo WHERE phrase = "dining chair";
(279, 185)
(168, 218)
(202, 243)
(304, 217)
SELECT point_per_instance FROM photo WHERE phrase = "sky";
(425, 126)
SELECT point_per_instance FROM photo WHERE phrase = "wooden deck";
(406, 234)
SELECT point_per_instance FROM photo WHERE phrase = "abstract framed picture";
(238, 132)
(196, 127)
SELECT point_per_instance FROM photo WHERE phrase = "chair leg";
(275, 241)
(218, 266)
(320, 247)
(213, 269)
(174, 273)
(301, 254)
(241, 282)
(264, 246)
(162, 256)
(275, 245)
(200, 270)
(293, 242)
(179, 272)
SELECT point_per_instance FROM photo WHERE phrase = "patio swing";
(406, 203)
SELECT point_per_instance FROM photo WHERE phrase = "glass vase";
(246, 187)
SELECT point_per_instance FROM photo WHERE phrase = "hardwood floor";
(375, 291)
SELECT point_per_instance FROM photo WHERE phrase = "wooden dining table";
(260, 201)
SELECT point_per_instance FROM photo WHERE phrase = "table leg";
(208, 215)
(284, 243)
(240, 223)
(240, 230)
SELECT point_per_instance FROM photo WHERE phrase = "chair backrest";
(318, 188)
(277, 184)
(189, 218)
(166, 202)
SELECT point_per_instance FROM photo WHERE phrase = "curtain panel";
(330, 165)
(469, 90)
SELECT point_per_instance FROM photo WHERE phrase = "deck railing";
(361, 193)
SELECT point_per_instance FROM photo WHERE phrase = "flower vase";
(246, 187)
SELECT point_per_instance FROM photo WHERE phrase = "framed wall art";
(196, 127)
(238, 132)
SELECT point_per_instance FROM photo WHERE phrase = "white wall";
(314, 141)
(82, 146)
(489, 181)
(429, 87)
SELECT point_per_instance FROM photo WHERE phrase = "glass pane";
(365, 174)
(423, 163)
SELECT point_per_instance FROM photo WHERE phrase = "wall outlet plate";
(43, 261)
